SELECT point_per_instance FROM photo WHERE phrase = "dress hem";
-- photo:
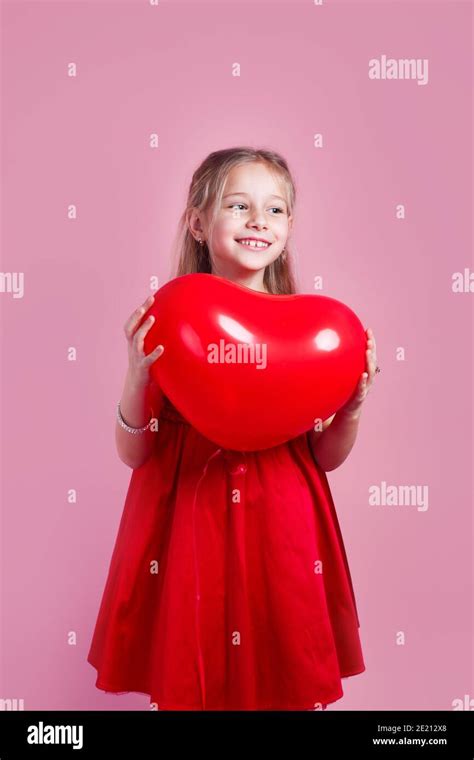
(186, 708)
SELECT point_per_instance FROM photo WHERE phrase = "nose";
(257, 219)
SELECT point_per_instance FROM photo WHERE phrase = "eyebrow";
(246, 194)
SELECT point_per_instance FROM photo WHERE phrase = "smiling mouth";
(254, 245)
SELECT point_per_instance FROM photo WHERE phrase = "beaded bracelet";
(127, 427)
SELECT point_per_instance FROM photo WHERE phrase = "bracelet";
(127, 427)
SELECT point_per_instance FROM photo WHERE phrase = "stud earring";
(201, 242)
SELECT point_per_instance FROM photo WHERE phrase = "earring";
(284, 254)
(201, 243)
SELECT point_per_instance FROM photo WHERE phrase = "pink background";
(84, 141)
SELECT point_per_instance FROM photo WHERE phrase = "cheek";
(225, 228)
(283, 225)
(225, 232)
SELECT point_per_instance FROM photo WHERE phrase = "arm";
(140, 392)
(137, 398)
(332, 446)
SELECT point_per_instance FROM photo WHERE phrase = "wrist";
(137, 380)
(350, 415)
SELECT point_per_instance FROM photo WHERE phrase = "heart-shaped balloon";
(252, 370)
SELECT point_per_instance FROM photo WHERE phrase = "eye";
(276, 208)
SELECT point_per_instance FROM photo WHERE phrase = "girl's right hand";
(139, 363)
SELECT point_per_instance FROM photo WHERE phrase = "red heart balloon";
(252, 370)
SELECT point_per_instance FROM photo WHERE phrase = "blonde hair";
(205, 193)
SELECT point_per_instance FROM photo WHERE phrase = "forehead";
(256, 179)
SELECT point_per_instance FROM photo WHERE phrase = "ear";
(194, 222)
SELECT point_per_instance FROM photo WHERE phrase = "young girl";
(228, 587)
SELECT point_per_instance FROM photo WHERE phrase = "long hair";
(205, 193)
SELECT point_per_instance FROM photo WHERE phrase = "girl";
(228, 587)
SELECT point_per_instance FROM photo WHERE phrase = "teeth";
(254, 243)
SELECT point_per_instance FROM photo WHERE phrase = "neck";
(252, 280)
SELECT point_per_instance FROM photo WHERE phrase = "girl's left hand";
(354, 405)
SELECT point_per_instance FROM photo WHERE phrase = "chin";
(255, 267)
(254, 260)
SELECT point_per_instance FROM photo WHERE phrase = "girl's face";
(253, 207)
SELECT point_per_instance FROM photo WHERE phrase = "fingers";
(135, 330)
(370, 374)
(139, 339)
(366, 379)
(371, 355)
(133, 321)
(139, 336)
(357, 398)
(370, 362)
(154, 355)
(371, 342)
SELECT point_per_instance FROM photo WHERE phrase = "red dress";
(228, 587)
